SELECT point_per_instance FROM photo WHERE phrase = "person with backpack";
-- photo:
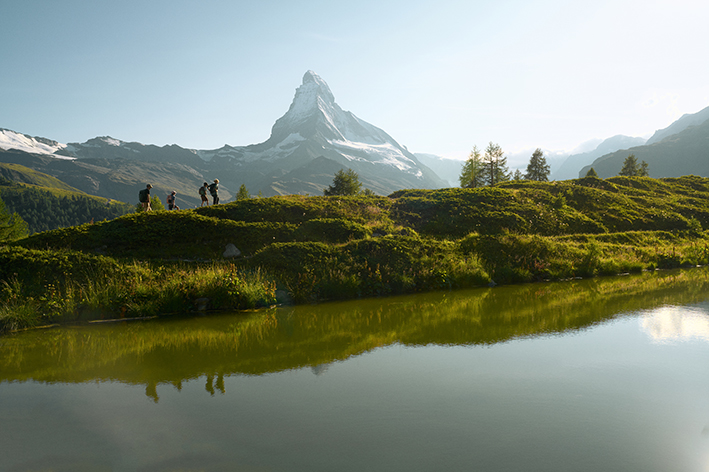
(144, 197)
(171, 201)
(203, 194)
(213, 189)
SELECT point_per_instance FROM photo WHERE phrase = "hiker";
(144, 197)
(203, 194)
(171, 201)
(213, 189)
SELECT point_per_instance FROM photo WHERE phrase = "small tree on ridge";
(344, 183)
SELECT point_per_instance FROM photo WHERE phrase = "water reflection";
(672, 323)
(169, 352)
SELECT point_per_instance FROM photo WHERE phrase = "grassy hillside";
(318, 248)
(46, 203)
(21, 174)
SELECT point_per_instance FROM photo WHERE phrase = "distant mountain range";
(569, 169)
(312, 141)
(307, 146)
(683, 153)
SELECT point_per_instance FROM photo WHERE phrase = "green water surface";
(609, 374)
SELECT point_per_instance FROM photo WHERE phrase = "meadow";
(307, 249)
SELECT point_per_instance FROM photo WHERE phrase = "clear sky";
(439, 76)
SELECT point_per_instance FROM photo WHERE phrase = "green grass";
(41, 287)
(324, 248)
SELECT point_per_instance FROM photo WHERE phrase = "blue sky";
(439, 76)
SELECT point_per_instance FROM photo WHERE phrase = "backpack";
(202, 191)
(143, 195)
(213, 189)
(170, 199)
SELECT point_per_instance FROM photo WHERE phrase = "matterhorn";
(307, 146)
(315, 139)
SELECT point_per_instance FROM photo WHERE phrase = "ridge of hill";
(684, 153)
(569, 169)
(26, 175)
(256, 252)
(45, 202)
(684, 122)
(314, 127)
(582, 206)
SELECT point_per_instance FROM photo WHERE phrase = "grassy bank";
(40, 287)
(324, 248)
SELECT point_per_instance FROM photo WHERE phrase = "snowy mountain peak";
(312, 96)
(32, 144)
(311, 81)
(315, 126)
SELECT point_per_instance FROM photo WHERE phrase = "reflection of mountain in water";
(677, 323)
(163, 352)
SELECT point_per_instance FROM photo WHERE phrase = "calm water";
(600, 375)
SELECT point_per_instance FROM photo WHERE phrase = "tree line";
(490, 168)
(43, 210)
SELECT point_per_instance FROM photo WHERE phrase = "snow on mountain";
(22, 142)
(308, 144)
(314, 124)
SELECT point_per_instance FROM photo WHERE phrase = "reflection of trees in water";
(320, 369)
(219, 384)
(172, 351)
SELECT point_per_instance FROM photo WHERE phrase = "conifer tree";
(644, 170)
(537, 169)
(495, 165)
(12, 226)
(243, 193)
(630, 166)
(472, 174)
(344, 183)
(591, 173)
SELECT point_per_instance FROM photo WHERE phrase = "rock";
(201, 304)
(231, 251)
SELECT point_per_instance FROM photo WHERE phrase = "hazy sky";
(439, 76)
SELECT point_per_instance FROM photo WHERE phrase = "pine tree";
(472, 174)
(243, 193)
(344, 183)
(495, 165)
(12, 226)
(630, 166)
(644, 170)
(537, 169)
(591, 173)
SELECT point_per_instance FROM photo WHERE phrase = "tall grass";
(140, 290)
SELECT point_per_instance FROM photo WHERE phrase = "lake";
(607, 374)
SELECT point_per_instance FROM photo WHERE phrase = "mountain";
(316, 127)
(684, 153)
(21, 174)
(680, 125)
(32, 144)
(570, 167)
(447, 169)
(117, 179)
(314, 139)
(45, 202)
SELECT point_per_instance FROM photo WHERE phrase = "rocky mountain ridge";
(314, 139)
